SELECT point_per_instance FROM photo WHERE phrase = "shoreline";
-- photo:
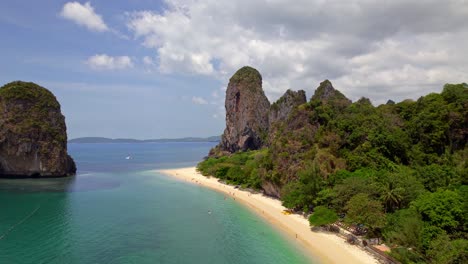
(326, 248)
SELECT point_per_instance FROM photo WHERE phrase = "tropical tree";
(445, 251)
(442, 209)
(404, 227)
(363, 210)
(322, 216)
(392, 196)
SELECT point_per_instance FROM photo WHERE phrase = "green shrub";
(322, 216)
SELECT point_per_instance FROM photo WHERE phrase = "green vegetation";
(399, 170)
(248, 76)
(322, 216)
(28, 91)
(32, 109)
(240, 169)
(361, 209)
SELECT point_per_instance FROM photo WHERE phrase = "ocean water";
(120, 211)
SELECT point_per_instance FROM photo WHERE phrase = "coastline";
(326, 248)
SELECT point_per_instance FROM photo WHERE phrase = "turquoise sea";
(117, 210)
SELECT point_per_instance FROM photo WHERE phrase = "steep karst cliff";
(327, 94)
(281, 109)
(246, 112)
(296, 135)
(33, 137)
(250, 120)
(286, 131)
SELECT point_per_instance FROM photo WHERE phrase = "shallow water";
(118, 211)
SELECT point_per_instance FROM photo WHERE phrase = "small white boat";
(128, 157)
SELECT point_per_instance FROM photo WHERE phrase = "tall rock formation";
(326, 94)
(247, 110)
(295, 135)
(33, 137)
(280, 110)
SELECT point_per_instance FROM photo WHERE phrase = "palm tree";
(392, 196)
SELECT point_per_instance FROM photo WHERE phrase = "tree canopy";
(322, 216)
(399, 169)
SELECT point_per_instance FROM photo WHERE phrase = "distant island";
(131, 140)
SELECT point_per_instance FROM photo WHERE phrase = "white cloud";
(106, 62)
(220, 111)
(217, 100)
(148, 61)
(83, 15)
(395, 50)
(150, 65)
(199, 100)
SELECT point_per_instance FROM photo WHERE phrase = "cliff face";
(281, 109)
(327, 94)
(247, 110)
(287, 130)
(294, 133)
(33, 138)
(250, 120)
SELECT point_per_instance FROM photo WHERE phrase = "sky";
(159, 69)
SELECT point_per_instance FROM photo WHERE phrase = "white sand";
(327, 248)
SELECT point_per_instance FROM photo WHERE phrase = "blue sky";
(41, 46)
(152, 69)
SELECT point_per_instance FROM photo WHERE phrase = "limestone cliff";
(33, 138)
(327, 94)
(247, 110)
(295, 135)
(288, 130)
(281, 109)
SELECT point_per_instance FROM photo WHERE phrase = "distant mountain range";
(130, 140)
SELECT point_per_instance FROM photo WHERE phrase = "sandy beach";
(327, 248)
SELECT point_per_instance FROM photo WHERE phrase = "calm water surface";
(119, 211)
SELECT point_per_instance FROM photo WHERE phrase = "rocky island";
(33, 134)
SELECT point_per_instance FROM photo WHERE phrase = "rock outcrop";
(295, 136)
(287, 128)
(33, 137)
(252, 123)
(280, 110)
(326, 93)
(247, 110)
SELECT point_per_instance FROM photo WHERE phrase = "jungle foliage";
(399, 169)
